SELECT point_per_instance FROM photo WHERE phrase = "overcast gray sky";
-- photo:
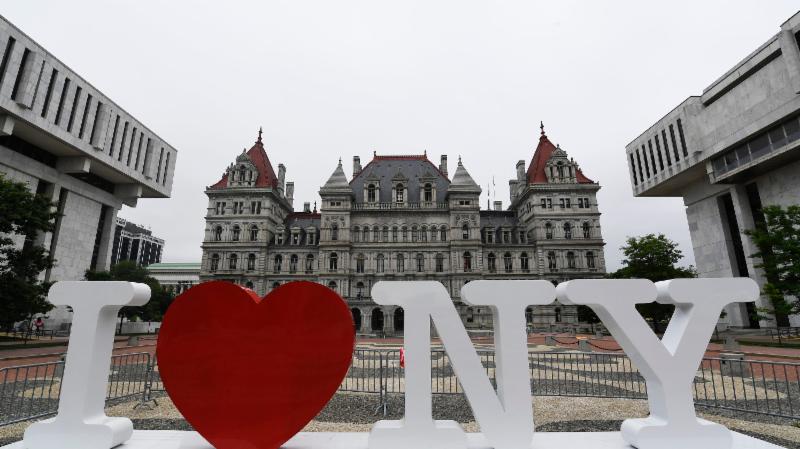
(341, 78)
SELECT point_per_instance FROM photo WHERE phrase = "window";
(587, 230)
(464, 202)
(359, 290)
(310, 263)
(420, 263)
(365, 234)
(401, 263)
(214, 263)
(523, 262)
(275, 285)
(508, 263)
(506, 237)
(551, 260)
(427, 195)
(293, 263)
(568, 203)
(251, 262)
(279, 237)
(548, 231)
(276, 265)
(405, 234)
(567, 231)
(492, 263)
(380, 263)
(465, 231)
(360, 263)
(385, 236)
(249, 284)
(423, 234)
(332, 285)
(376, 234)
(371, 193)
(253, 233)
(544, 203)
(334, 232)
(399, 193)
(433, 233)
(467, 261)
(570, 259)
(414, 234)
(443, 234)
(590, 260)
(521, 236)
(394, 233)
(333, 262)
(218, 233)
(439, 263)
(310, 238)
(356, 234)
(232, 261)
(237, 231)
(296, 238)
(489, 236)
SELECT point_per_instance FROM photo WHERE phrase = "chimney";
(306, 207)
(281, 177)
(356, 165)
(443, 165)
(498, 205)
(290, 193)
(512, 189)
(520, 170)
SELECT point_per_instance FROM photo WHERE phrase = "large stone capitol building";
(401, 217)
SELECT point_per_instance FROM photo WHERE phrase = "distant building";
(401, 217)
(176, 277)
(135, 243)
(728, 153)
(69, 142)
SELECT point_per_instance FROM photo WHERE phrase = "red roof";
(266, 174)
(542, 154)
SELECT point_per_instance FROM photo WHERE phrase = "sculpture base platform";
(169, 439)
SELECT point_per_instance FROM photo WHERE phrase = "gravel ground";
(356, 412)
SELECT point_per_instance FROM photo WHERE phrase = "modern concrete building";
(71, 143)
(176, 277)
(728, 152)
(401, 217)
(135, 243)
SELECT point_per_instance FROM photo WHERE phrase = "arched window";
(249, 284)
(587, 230)
(237, 231)
(570, 259)
(377, 320)
(523, 262)
(590, 260)
(443, 234)
(492, 262)
(376, 234)
(465, 231)
(529, 315)
(434, 233)
(439, 263)
(360, 263)
(275, 285)
(394, 233)
(401, 263)
(356, 318)
(558, 314)
(218, 233)
(365, 234)
(399, 193)
(214, 263)
(232, 259)
(551, 260)
(334, 232)
(414, 234)
(567, 231)
(251, 262)
(276, 265)
(470, 315)
(467, 261)
(333, 262)
(385, 237)
(359, 290)
(380, 262)
(253, 233)
(404, 231)
(310, 263)
(560, 169)
(423, 234)
(508, 263)
(293, 263)
(356, 234)
(420, 263)
(427, 195)
(399, 319)
(332, 285)
(548, 230)
(371, 193)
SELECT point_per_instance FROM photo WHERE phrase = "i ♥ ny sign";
(250, 372)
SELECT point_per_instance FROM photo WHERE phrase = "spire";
(462, 181)
(541, 126)
(259, 135)
(337, 183)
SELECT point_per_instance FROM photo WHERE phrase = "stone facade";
(402, 218)
(728, 152)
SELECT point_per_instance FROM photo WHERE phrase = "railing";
(782, 333)
(762, 387)
(394, 205)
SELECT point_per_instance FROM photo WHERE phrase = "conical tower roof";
(462, 181)
(337, 183)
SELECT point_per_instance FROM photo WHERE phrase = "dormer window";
(399, 193)
(427, 195)
(371, 193)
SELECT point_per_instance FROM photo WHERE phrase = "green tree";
(778, 243)
(129, 271)
(652, 257)
(23, 213)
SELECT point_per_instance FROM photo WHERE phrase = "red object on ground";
(402, 358)
(248, 372)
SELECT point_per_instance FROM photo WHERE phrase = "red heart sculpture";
(251, 373)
